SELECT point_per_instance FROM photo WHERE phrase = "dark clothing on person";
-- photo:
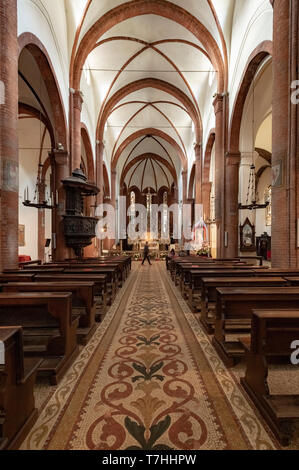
(146, 255)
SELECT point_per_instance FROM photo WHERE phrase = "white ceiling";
(123, 56)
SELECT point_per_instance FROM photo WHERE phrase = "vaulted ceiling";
(153, 77)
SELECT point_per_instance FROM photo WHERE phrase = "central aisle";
(149, 379)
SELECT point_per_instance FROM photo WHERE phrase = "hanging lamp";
(252, 197)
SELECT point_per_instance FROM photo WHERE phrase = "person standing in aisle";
(146, 254)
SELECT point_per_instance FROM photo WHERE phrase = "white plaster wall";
(252, 24)
(47, 21)
(264, 183)
(29, 144)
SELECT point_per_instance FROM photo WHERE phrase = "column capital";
(233, 158)
(218, 102)
(61, 157)
(77, 99)
(207, 184)
(100, 143)
(197, 149)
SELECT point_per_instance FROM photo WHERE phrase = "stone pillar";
(184, 199)
(219, 170)
(231, 204)
(76, 102)
(61, 171)
(99, 170)
(113, 201)
(206, 197)
(198, 173)
(184, 180)
(285, 135)
(100, 183)
(9, 178)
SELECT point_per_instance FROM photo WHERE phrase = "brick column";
(9, 159)
(206, 197)
(285, 135)
(232, 162)
(184, 187)
(76, 101)
(113, 201)
(113, 187)
(198, 173)
(100, 181)
(184, 199)
(61, 171)
(219, 171)
(99, 170)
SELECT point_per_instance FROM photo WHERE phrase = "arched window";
(268, 198)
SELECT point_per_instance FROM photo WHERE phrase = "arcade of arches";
(162, 102)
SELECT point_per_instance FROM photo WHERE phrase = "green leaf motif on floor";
(148, 342)
(137, 431)
(148, 322)
(148, 375)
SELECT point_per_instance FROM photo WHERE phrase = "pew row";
(83, 303)
(209, 287)
(234, 312)
(100, 287)
(272, 334)
(49, 329)
(17, 377)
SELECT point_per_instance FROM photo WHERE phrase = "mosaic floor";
(149, 379)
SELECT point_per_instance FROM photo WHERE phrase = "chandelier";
(40, 188)
(252, 197)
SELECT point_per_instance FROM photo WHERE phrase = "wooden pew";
(272, 333)
(83, 303)
(17, 378)
(28, 263)
(185, 276)
(277, 272)
(119, 269)
(35, 269)
(196, 276)
(100, 287)
(111, 278)
(18, 277)
(293, 281)
(49, 331)
(234, 311)
(209, 287)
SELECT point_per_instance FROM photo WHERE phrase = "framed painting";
(247, 236)
(21, 235)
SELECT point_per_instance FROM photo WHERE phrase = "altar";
(153, 245)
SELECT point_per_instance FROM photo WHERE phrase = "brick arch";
(89, 152)
(136, 8)
(154, 156)
(259, 54)
(43, 61)
(208, 154)
(150, 132)
(191, 182)
(149, 83)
